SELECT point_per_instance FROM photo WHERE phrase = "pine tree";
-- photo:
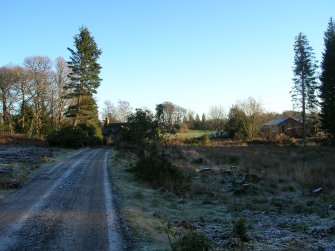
(305, 79)
(197, 123)
(203, 122)
(327, 88)
(84, 79)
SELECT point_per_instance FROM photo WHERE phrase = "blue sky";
(194, 53)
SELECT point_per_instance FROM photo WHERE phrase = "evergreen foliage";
(305, 78)
(68, 136)
(193, 241)
(234, 126)
(327, 87)
(155, 168)
(84, 79)
(140, 131)
(76, 136)
(141, 135)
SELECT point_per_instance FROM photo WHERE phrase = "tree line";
(54, 99)
(32, 94)
(41, 96)
(310, 92)
(242, 121)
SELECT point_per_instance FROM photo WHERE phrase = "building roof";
(113, 128)
(276, 122)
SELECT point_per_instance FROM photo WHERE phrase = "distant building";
(287, 126)
(110, 130)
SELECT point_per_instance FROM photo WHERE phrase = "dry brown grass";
(284, 164)
(270, 186)
(20, 139)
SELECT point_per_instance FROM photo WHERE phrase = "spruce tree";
(203, 122)
(305, 78)
(327, 87)
(84, 79)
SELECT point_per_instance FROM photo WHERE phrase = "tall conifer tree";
(327, 88)
(84, 79)
(305, 79)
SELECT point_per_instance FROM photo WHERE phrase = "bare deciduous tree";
(109, 112)
(8, 95)
(60, 81)
(39, 74)
(171, 116)
(123, 110)
(217, 115)
(253, 111)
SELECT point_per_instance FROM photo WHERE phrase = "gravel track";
(66, 206)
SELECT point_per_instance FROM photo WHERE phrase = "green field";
(191, 134)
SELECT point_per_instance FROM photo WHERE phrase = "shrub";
(68, 136)
(153, 167)
(240, 230)
(193, 241)
(202, 140)
(94, 135)
(140, 132)
(76, 136)
(184, 128)
(205, 140)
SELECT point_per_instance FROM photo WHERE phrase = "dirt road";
(67, 205)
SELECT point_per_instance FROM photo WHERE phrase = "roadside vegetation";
(261, 195)
(142, 139)
(258, 197)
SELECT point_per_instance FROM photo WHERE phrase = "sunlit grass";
(192, 134)
(181, 136)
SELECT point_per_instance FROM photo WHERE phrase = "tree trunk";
(303, 110)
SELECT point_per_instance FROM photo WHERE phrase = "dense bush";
(141, 135)
(94, 135)
(140, 132)
(75, 136)
(202, 140)
(155, 168)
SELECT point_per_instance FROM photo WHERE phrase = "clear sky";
(194, 53)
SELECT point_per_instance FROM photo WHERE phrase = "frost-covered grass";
(265, 186)
(282, 163)
(17, 163)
